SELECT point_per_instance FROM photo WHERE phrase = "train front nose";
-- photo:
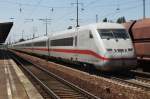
(117, 64)
(123, 56)
(118, 59)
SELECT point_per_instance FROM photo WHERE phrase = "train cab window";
(105, 34)
(113, 33)
(121, 34)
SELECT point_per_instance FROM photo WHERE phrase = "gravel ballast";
(99, 86)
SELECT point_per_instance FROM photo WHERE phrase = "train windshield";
(113, 33)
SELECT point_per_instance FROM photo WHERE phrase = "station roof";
(4, 30)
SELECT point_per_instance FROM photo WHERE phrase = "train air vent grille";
(109, 50)
(120, 50)
(130, 49)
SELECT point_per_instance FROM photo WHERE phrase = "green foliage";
(105, 20)
(21, 40)
(121, 20)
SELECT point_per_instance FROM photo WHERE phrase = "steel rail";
(134, 84)
(48, 90)
(139, 73)
(147, 80)
(85, 93)
(142, 76)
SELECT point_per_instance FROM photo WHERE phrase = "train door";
(48, 47)
(32, 45)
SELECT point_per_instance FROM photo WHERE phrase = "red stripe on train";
(86, 52)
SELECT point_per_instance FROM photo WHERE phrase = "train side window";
(75, 40)
(28, 44)
(90, 35)
(42, 43)
(62, 42)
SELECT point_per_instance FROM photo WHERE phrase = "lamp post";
(144, 9)
(77, 12)
(46, 21)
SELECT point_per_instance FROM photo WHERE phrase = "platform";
(13, 83)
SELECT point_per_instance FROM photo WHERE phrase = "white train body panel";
(98, 44)
(29, 46)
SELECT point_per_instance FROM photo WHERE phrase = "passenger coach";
(107, 46)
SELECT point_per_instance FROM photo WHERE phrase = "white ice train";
(107, 46)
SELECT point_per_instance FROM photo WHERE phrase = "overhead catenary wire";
(21, 24)
(34, 5)
(124, 10)
(90, 4)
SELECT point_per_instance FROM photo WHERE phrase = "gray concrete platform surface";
(13, 83)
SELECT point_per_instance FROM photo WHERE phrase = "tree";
(70, 27)
(21, 40)
(105, 20)
(121, 20)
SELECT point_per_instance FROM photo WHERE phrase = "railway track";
(134, 83)
(144, 80)
(129, 78)
(142, 76)
(55, 86)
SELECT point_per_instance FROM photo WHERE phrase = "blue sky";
(22, 11)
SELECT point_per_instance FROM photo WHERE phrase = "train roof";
(102, 25)
(106, 25)
(40, 39)
(33, 40)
